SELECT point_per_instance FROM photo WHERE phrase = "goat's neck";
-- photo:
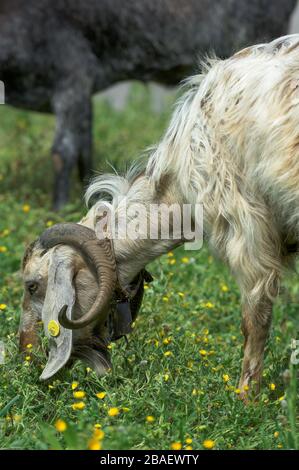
(134, 255)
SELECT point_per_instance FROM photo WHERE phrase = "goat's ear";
(60, 293)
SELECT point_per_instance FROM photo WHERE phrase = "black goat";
(55, 55)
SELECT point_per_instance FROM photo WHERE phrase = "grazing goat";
(55, 55)
(232, 145)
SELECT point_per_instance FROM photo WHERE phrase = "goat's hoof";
(244, 397)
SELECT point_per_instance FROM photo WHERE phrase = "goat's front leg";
(72, 144)
(256, 323)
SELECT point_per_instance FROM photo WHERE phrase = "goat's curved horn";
(97, 254)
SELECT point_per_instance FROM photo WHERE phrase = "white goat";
(232, 145)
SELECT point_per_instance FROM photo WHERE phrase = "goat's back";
(250, 106)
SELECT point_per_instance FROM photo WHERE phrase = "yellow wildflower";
(172, 261)
(237, 391)
(26, 208)
(79, 394)
(276, 434)
(101, 395)
(125, 409)
(17, 418)
(28, 358)
(188, 440)
(98, 434)
(202, 352)
(60, 425)
(170, 254)
(209, 305)
(74, 385)
(150, 419)
(165, 298)
(224, 288)
(208, 444)
(3, 306)
(181, 294)
(166, 341)
(80, 405)
(29, 346)
(176, 446)
(168, 353)
(94, 444)
(3, 249)
(272, 386)
(113, 411)
(185, 260)
(189, 448)
(166, 377)
(97, 426)
(225, 378)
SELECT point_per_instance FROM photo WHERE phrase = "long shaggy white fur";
(233, 144)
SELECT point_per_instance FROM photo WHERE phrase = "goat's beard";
(94, 354)
(91, 342)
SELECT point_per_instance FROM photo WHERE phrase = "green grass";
(185, 307)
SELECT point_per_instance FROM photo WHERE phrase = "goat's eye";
(32, 287)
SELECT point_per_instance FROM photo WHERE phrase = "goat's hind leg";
(256, 322)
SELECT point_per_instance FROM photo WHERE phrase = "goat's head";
(71, 285)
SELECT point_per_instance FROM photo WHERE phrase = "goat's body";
(232, 145)
(55, 55)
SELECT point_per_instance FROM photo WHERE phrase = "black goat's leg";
(72, 144)
(85, 154)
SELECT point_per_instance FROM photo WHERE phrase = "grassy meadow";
(174, 384)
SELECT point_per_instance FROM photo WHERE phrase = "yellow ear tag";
(53, 328)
